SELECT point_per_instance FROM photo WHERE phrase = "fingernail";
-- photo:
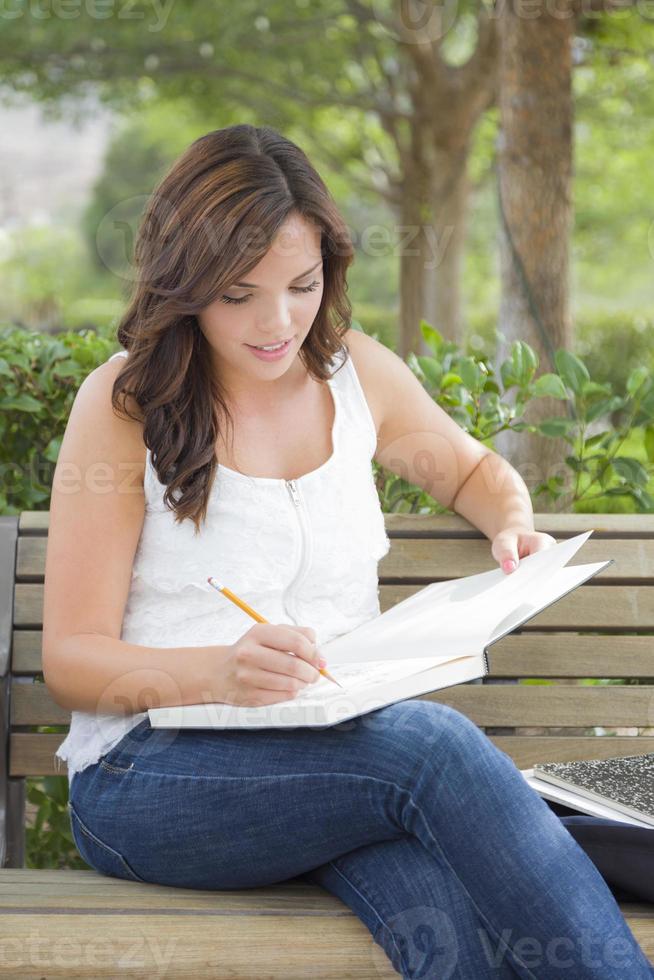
(508, 565)
(322, 662)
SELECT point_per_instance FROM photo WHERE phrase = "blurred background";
(493, 164)
(95, 108)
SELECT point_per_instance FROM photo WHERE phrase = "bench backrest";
(601, 630)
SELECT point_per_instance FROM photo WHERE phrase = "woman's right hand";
(258, 669)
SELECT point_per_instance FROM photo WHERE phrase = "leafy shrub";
(474, 393)
(610, 344)
(48, 841)
(40, 376)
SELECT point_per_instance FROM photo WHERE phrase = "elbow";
(467, 479)
(54, 675)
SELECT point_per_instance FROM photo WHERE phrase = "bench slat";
(32, 753)
(198, 946)
(563, 525)
(556, 705)
(589, 607)
(487, 704)
(430, 559)
(52, 889)
(527, 654)
(447, 524)
(271, 932)
(544, 655)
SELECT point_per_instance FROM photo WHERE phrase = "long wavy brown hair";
(232, 185)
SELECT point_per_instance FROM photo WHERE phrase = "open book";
(436, 638)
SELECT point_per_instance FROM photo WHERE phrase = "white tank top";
(301, 551)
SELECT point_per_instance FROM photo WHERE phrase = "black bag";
(623, 854)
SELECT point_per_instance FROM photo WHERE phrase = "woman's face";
(278, 299)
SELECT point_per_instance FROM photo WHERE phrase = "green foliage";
(600, 470)
(610, 344)
(474, 394)
(614, 130)
(611, 435)
(48, 840)
(40, 377)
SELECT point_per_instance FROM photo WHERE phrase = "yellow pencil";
(255, 615)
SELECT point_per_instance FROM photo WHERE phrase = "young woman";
(201, 453)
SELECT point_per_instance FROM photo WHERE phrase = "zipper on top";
(305, 547)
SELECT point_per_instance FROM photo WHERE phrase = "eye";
(307, 289)
(297, 289)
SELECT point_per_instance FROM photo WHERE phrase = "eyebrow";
(253, 285)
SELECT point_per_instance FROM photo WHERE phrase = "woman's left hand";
(514, 543)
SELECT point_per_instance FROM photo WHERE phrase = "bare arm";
(97, 673)
(416, 439)
(495, 497)
(96, 515)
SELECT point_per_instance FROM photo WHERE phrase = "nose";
(276, 320)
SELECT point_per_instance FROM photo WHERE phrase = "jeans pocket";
(112, 760)
(112, 767)
(100, 856)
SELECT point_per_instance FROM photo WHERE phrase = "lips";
(277, 354)
(273, 343)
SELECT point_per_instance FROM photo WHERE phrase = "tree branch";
(110, 68)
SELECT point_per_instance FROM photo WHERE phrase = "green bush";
(600, 470)
(48, 841)
(610, 344)
(40, 377)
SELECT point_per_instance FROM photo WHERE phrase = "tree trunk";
(534, 192)
(432, 232)
(450, 192)
(412, 243)
(447, 103)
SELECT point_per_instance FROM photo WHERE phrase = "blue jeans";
(409, 814)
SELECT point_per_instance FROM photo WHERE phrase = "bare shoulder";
(93, 410)
(97, 508)
(369, 357)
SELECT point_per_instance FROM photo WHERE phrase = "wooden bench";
(88, 924)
